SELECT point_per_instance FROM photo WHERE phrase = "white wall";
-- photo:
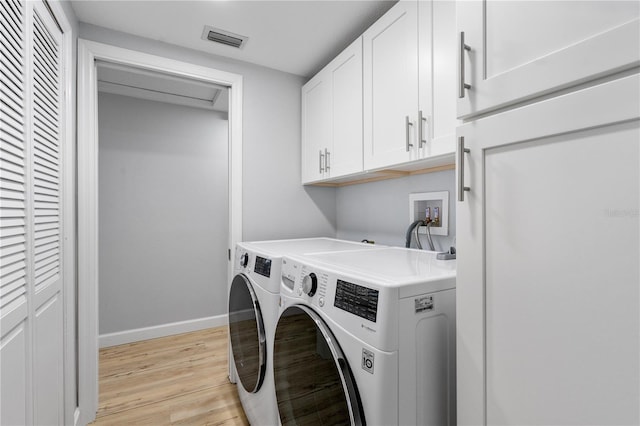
(379, 211)
(275, 205)
(163, 209)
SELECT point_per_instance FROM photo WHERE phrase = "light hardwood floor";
(179, 379)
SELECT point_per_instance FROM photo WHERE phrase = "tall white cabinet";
(548, 230)
(31, 129)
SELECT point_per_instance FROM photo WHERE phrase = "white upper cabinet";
(409, 84)
(346, 108)
(390, 53)
(316, 122)
(437, 78)
(510, 51)
(332, 118)
(386, 104)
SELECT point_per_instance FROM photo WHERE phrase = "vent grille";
(224, 37)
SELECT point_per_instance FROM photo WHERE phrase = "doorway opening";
(110, 68)
(162, 204)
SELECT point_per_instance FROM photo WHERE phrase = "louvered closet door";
(46, 107)
(14, 343)
(31, 346)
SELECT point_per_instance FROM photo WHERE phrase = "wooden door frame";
(88, 53)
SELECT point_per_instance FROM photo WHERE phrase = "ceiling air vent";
(224, 37)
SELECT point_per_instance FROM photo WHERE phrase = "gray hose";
(429, 240)
(416, 237)
(407, 240)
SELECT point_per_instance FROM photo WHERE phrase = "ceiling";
(297, 37)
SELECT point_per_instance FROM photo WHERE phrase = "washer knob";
(244, 260)
(310, 284)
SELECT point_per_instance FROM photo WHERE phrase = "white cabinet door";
(316, 126)
(390, 75)
(332, 118)
(522, 49)
(345, 146)
(437, 78)
(548, 262)
(31, 302)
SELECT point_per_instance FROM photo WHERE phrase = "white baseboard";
(135, 335)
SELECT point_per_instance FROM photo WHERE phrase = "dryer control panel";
(242, 259)
(263, 266)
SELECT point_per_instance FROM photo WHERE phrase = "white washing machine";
(253, 313)
(366, 337)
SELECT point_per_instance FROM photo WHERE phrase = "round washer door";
(314, 384)
(247, 335)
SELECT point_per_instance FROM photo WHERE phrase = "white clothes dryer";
(366, 337)
(253, 313)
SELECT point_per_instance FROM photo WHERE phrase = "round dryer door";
(314, 385)
(246, 331)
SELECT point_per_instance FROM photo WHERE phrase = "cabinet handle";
(421, 139)
(408, 125)
(327, 159)
(463, 85)
(461, 151)
(321, 157)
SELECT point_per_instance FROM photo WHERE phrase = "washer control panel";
(356, 299)
(289, 273)
(358, 305)
(305, 282)
(313, 284)
(310, 284)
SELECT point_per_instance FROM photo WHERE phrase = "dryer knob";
(310, 284)
(244, 260)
